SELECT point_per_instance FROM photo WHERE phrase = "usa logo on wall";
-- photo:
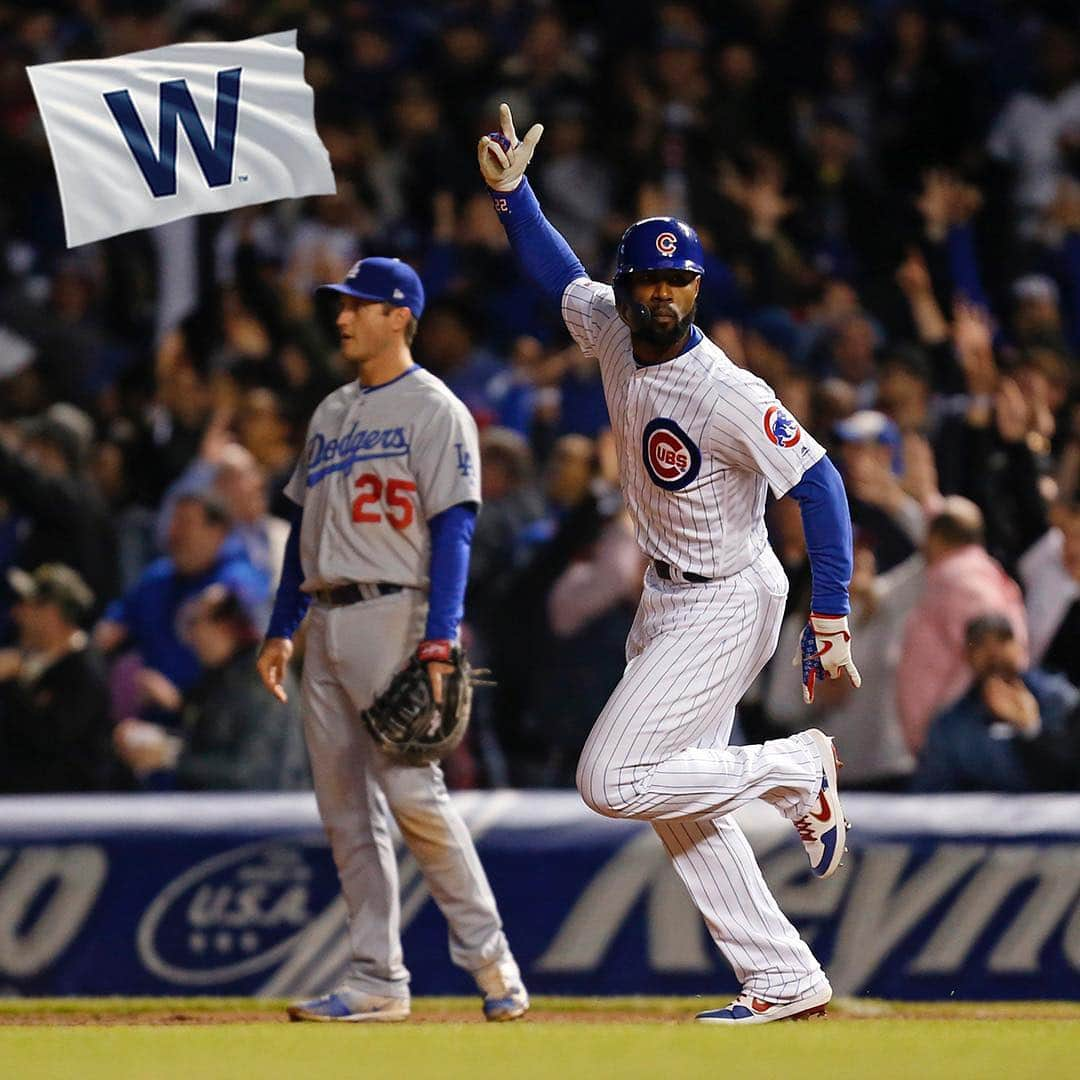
(671, 457)
(781, 429)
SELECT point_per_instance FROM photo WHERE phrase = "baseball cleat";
(505, 996)
(823, 829)
(747, 1009)
(351, 1007)
(508, 1007)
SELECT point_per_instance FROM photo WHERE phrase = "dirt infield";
(195, 1012)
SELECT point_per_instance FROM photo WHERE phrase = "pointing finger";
(506, 123)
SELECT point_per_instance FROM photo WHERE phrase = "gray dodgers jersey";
(697, 437)
(378, 463)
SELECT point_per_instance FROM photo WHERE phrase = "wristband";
(428, 652)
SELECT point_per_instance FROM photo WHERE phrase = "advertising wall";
(954, 896)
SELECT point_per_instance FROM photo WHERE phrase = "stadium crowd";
(889, 195)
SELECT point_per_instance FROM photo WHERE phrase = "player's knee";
(603, 795)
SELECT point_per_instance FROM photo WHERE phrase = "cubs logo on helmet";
(671, 457)
(659, 243)
(781, 429)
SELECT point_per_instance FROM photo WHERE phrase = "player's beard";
(661, 337)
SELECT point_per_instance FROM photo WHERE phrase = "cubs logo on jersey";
(671, 457)
(781, 429)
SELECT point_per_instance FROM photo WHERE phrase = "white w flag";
(153, 136)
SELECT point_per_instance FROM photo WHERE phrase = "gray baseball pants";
(352, 653)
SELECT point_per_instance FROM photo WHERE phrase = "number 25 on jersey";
(398, 510)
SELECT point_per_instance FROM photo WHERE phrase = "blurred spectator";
(447, 346)
(863, 175)
(962, 582)
(590, 609)
(574, 182)
(1004, 734)
(54, 703)
(200, 553)
(1028, 133)
(112, 471)
(866, 726)
(521, 637)
(1050, 573)
(1036, 315)
(889, 520)
(61, 516)
(230, 738)
(511, 503)
(231, 472)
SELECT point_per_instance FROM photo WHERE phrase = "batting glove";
(824, 652)
(503, 157)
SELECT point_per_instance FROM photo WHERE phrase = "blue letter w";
(175, 100)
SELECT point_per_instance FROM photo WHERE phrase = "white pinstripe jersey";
(698, 438)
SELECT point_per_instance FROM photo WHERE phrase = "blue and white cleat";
(509, 1006)
(505, 996)
(823, 829)
(351, 1007)
(747, 1009)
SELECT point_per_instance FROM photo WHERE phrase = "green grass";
(924, 1043)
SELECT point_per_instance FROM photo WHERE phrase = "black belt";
(663, 570)
(339, 595)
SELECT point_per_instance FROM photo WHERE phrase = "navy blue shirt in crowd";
(149, 609)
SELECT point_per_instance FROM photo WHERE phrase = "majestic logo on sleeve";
(666, 243)
(671, 458)
(781, 429)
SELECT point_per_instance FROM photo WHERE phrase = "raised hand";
(503, 157)
(973, 337)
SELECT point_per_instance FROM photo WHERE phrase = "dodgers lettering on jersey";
(698, 439)
(378, 463)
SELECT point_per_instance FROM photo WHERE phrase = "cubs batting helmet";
(659, 243)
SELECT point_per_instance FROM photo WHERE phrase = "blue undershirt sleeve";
(827, 526)
(451, 543)
(543, 253)
(290, 604)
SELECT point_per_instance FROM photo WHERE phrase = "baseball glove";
(406, 722)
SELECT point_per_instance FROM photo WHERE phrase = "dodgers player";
(388, 491)
(698, 441)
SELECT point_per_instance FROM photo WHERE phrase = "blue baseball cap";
(390, 280)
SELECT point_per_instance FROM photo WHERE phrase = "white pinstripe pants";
(659, 751)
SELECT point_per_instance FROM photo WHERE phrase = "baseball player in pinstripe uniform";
(387, 490)
(699, 442)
